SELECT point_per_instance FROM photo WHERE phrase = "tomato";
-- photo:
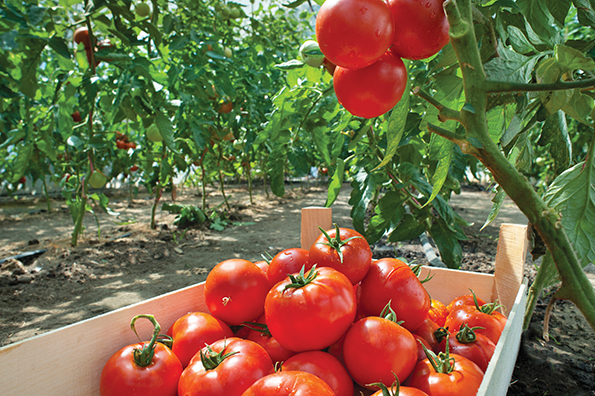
(427, 331)
(134, 370)
(23, 180)
(421, 28)
(143, 10)
(354, 33)
(309, 312)
(76, 116)
(371, 91)
(133, 168)
(493, 322)
(120, 144)
(153, 133)
(263, 265)
(376, 349)
(235, 291)
(289, 383)
(225, 368)
(325, 367)
(437, 312)
(288, 261)
(400, 391)
(390, 279)
(97, 179)
(130, 145)
(226, 107)
(421, 353)
(475, 347)
(343, 249)
(467, 299)
(192, 331)
(81, 35)
(260, 334)
(448, 375)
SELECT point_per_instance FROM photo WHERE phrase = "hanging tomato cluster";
(328, 320)
(122, 142)
(366, 40)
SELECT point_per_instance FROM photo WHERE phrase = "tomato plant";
(150, 368)
(235, 291)
(325, 367)
(289, 383)
(312, 310)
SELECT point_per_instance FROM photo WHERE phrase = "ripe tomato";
(226, 107)
(289, 383)
(437, 312)
(135, 370)
(466, 299)
(120, 144)
(225, 368)
(354, 33)
(421, 353)
(309, 312)
(81, 35)
(76, 116)
(376, 349)
(263, 265)
(343, 249)
(288, 261)
(392, 280)
(192, 331)
(325, 367)
(260, 334)
(235, 291)
(23, 180)
(133, 168)
(475, 347)
(371, 91)
(421, 28)
(427, 331)
(493, 322)
(400, 391)
(446, 377)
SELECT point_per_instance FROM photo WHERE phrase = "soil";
(128, 262)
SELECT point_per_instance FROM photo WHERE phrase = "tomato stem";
(336, 242)
(262, 328)
(144, 356)
(466, 334)
(442, 362)
(211, 360)
(386, 391)
(301, 279)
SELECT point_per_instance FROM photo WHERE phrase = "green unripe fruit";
(228, 52)
(235, 13)
(218, 7)
(97, 179)
(153, 134)
(142, 10)
(225, 12)
(311, 53)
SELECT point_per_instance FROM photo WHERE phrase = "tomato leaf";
(554, 133)
(363, 185)
(442, 152)
(166, 130)
(276, 168)
(409, 228)
(388, 213)
(497, 200)
(335, 184)
(559, 9)
(447, 241)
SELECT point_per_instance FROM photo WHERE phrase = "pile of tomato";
(367, 40)
(323, 321)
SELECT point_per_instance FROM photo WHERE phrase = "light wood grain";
(312, 218)
(510, 262)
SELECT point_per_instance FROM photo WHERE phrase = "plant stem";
(536, 288)
(221, 181)
(47, 195)
(502, 86)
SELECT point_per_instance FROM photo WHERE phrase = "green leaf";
(364, 186)
(511, 66)
(290, 65)
(497, 200)
(388, 213)
(276, 170)
(559, 10)
(579, 107)
(396, 127)
(447, 242)
(22, 162)
(294, 4)
(537, 14)
(59, 45)
(441, 151)
(585, 11)
(573, 194)
(166, 130)
(519, 41)
(335, 184)
(571, 59)
(407, 229)
(36, 14)
(554, 133)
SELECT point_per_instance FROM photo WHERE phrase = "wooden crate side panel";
(510, 262)
(312, 218)
(499, 372)
(447, 284)
(68, 361)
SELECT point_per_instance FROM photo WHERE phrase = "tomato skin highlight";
(421, 28)
(392, 280)
(235, 291)
(121, 376)
(354, 33)
(289, 383)
(492, 324)
(313, 316)
(376, 349)
(325, 367)
(437, 312)
(464, 380)
(374, 90)
(466, 299)
(232, 376)
(288, 261)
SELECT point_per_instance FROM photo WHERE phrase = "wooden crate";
(69, 360)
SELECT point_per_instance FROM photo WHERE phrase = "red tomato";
(310, 311)
(421, 352)
(427, 331)
(263, 265)
(260, 334)
(392, 280)
(466, 299)
(437, 312)
(421, 28)
(23, 180)
(133, 168)
(226, 108)
(120, 144)
(81, 35)
(371, 91)
(288, 261)
(402, 391)
(354, 33)
(235, 291)
(459, 378)
(493, 322)
(376, 349)
(289, 383)
(76, 116)
(475, 347)
(225, 368)
(325, 367)
(192, 331)
(343, 249)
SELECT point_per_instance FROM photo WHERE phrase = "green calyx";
(389, 314)
(211, 360)
(441, 333)
(301, 279)
(262, 328)
(442, 362)
(336, 242)
(487, 308)
(466, 334)
(395, 387)
(144, 356)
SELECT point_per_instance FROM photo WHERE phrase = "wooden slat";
(447, 284)
(510, 261)
(312, 218)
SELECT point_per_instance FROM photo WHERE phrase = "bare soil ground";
(129, 263)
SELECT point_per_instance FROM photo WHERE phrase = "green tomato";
(311, 54)
(153, 134)
(234, 13)
(218, 7)
(540, 161)
(225, 12)
(97, 179)
(143, 10)
(228, 52)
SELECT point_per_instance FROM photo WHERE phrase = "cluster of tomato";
(317, 321)
(122, 142)
(366, 40)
